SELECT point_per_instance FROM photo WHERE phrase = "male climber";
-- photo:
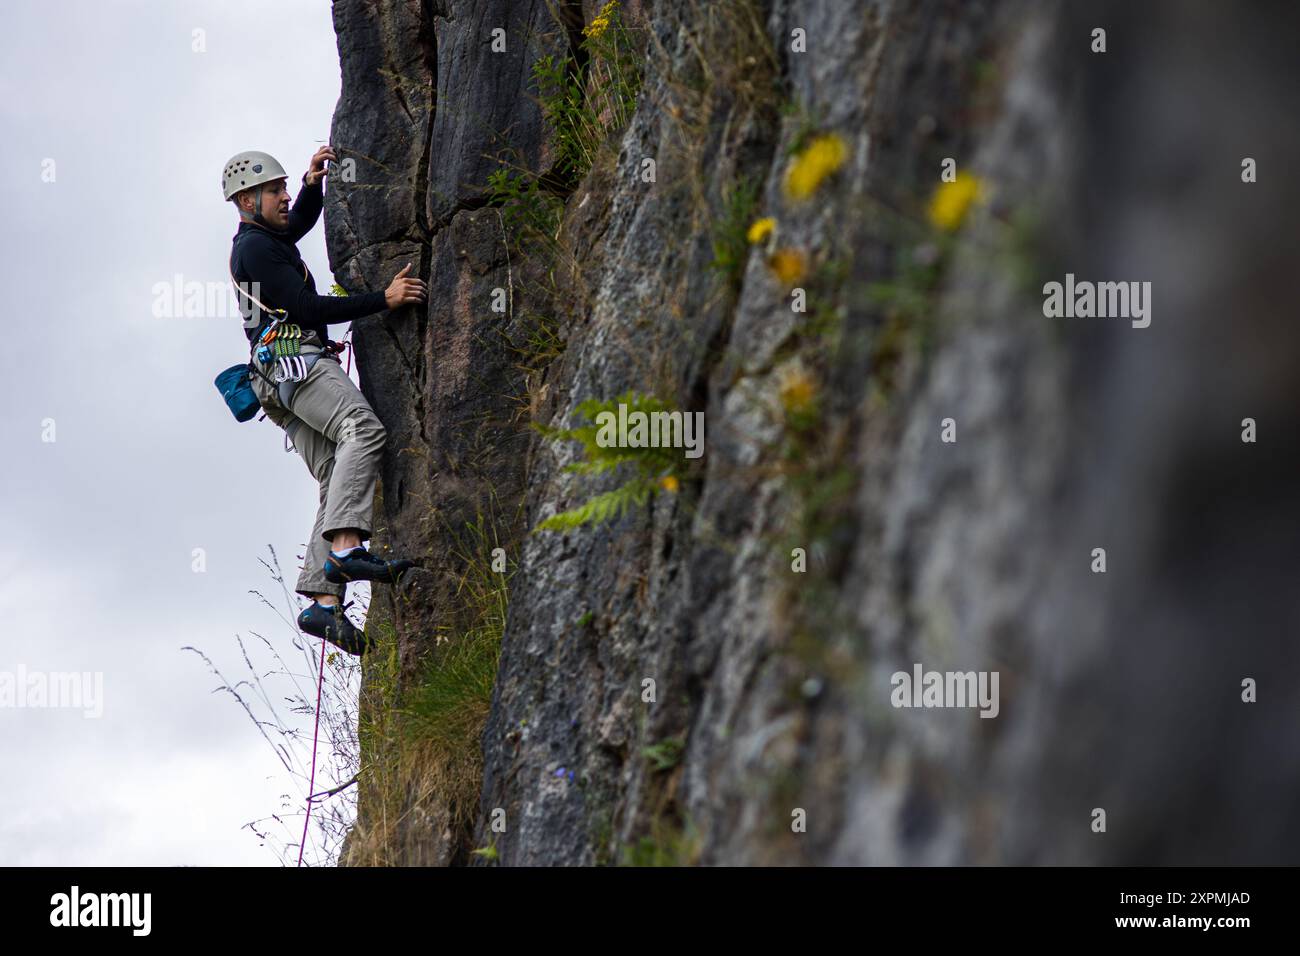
(324, 414)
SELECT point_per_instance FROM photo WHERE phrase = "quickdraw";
(282, 344)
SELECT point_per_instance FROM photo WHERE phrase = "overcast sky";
(146, 463)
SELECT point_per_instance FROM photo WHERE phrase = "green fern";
(603, 507)
(651, 465)
(603, 458)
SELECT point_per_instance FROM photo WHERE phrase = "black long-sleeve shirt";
(271, 260)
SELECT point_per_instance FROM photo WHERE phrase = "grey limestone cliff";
(824, 430)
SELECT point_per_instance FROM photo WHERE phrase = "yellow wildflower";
(789, 265)
(819, 159)
(600, 23)
(797, 390)
(951, 201)
(761, 229)
(670, 483)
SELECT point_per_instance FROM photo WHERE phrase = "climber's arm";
(268, 264)
(306, 209)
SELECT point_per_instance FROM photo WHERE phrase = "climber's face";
(275, 203)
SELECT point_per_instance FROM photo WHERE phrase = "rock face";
(771, 737)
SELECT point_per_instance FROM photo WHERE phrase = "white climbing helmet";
(251, 168)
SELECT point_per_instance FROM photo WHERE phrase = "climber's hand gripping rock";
(405, 290)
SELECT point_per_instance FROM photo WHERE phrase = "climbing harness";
(278, 341)
(336, 349)
(277, 344)
(301, 363)
(265, 334)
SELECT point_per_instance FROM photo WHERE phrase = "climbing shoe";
(332, 624)
(361, 565)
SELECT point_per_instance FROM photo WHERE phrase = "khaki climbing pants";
(339, 437)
